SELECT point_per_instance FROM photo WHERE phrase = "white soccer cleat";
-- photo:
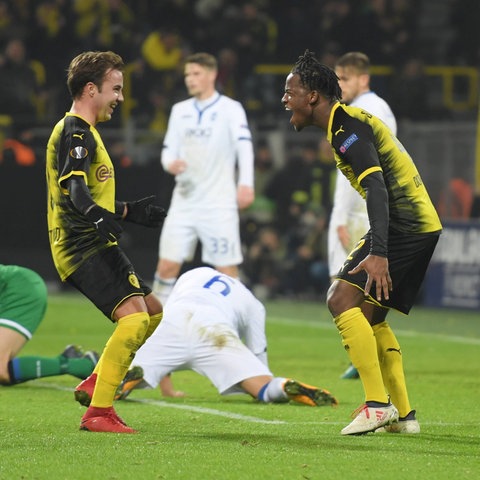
(407, 424)
(368, 419)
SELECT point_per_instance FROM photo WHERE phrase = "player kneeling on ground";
(205, 319)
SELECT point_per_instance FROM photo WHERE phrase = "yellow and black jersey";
(363, 144)
(76, 148)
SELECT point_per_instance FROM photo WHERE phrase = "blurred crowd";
(285, 230)
(38, 38)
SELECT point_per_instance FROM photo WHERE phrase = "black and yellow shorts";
(408, 259)
(107, 279)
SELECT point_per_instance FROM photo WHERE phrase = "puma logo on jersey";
(340, 130)
(78, 135)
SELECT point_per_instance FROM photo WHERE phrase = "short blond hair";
(204, 59)
(356, 60)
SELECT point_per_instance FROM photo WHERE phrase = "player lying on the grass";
(23, 301)
(205, 319)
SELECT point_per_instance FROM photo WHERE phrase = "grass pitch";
(206, 436)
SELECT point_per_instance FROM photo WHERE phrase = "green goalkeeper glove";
(143, 212)
(107, 227)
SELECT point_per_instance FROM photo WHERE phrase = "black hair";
(317, 76)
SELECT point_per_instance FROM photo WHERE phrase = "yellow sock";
(391, 364)
(117, 356)
(359, 342)
(154, 323)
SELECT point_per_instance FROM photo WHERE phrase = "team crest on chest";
(132, 278)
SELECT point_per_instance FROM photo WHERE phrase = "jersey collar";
(330, 121)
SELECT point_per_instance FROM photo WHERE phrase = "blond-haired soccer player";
(208, 148)
(387, 266)
(84, 225)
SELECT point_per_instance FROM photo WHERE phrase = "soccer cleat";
(368, 419)
(72, 351)
(303, 393)
(350, 373)
(92, 356)
(407, 424)
(84, 390)
(133, 379)
(108, 421)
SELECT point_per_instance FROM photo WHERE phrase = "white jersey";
(212, 137)
(240, 310)
(349, 208)
(212, 324)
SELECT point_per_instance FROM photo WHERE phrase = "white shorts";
(217, 230)
(190, 337)
(357, 227)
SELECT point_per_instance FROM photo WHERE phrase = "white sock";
(273, 391)
(162, 287)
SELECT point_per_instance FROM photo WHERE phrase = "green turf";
(205, 436)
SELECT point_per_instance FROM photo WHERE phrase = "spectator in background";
(297, 20)
(7, 21)
(22, 93)
(306, 177)
(306, 256)
(385, 29)
(89, 19)
(252, 34)
(280, 190)
(157, 74)
(261, 211)
(163, 53)
(409, 92)
(456, 201)
(323, 174)
(17, 150)
(51, 33)
(464, 48)
(264, 263)
(227, 78)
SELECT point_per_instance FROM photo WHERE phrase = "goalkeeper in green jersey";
(23, 300)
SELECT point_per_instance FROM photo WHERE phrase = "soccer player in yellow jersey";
(386, 268)
(84, 225)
